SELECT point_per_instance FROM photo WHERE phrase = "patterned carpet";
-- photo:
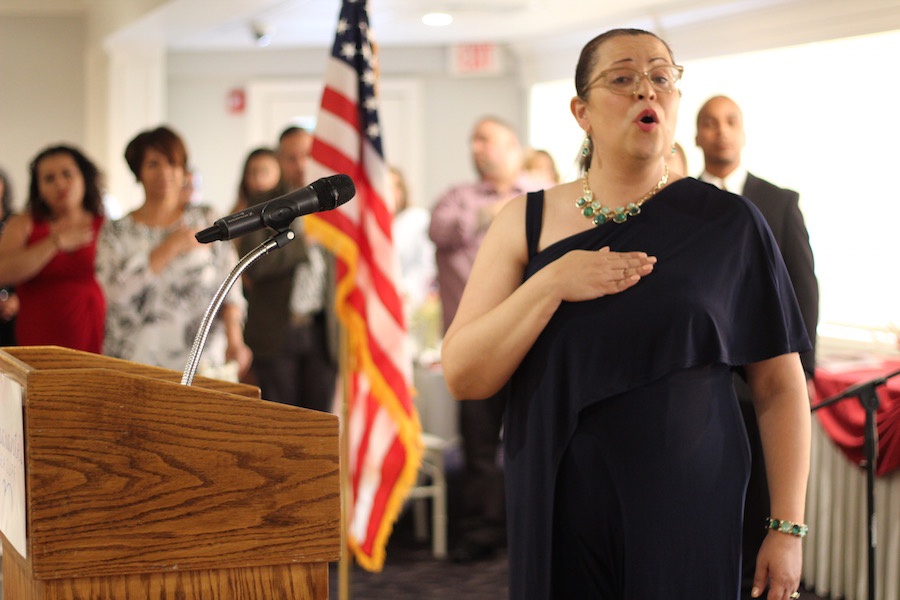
(412, 573)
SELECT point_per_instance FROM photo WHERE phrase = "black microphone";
(325, 194)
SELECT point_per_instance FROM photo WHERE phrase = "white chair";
(431, 484)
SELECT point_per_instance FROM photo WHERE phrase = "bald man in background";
(721, 136)
(459, 222)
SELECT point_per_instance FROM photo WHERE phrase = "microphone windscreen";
(342, 189)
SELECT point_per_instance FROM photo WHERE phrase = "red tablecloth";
(845, 420)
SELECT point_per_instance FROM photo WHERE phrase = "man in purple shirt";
(458, 223)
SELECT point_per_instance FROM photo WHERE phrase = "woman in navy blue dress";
(614, 310)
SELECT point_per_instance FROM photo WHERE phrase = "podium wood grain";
(140, 487)
(290, 582)
(17, 361)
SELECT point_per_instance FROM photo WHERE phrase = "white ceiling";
(399, 22)
(698, 27)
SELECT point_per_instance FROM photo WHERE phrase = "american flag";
(382, 422)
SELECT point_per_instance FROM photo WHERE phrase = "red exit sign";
(476, 59)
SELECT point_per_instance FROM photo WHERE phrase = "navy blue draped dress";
(625, 453)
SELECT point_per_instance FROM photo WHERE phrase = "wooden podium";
(138, 487)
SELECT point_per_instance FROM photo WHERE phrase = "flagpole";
(346, 556)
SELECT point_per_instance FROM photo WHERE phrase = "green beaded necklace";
(599, 214)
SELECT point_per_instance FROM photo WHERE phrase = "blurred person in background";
(415, 250)
(721, 137)
(459, 222)
(540, 166)
(191, 192)
(9, 301)
(279, 339)
(48, 253)
(294, 146)
(314, 328)
(158, 279)
(261, 175)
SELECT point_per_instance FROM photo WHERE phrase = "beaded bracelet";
(789, 527)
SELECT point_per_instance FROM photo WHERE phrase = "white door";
(274, 105)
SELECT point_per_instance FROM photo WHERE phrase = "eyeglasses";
(625, 82)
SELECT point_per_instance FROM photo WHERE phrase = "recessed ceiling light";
(437, 19)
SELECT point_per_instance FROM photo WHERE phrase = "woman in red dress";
(48, 253)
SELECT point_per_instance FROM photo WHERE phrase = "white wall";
(42, 90)
(218, 141)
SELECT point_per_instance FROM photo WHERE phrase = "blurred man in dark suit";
(721, 136)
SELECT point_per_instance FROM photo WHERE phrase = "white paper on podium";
(12, 465)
